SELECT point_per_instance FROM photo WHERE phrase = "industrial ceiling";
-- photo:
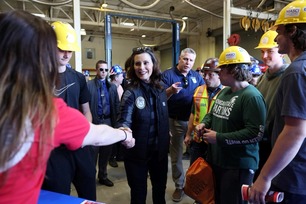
(134, 18)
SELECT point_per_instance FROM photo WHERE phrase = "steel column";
(175, 43)
(108, 40)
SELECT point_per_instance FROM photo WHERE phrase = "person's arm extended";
(285, 149)
(86, 111)
(173, 89)
(102, 135)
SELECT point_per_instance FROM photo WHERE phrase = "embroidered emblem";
(194, 80)
(140, 102)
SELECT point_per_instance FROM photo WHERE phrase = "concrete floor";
(120, 192)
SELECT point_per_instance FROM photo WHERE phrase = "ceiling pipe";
(52, 4)
(140, 7)
(261, 3)
(213, 14)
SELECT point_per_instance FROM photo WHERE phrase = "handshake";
(129, 141)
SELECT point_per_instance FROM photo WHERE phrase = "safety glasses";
(101, 70)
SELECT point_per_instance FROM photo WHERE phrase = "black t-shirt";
(72, 88)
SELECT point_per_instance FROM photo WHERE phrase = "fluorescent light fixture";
(185, 17)
(127, 24)
(83, 31)
(143, 36)
(104, 5)
(39, 15)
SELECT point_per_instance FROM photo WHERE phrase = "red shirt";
(24, 180)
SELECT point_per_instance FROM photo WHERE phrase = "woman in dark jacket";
(144, 110)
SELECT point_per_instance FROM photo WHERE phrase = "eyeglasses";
(185, 84)
(142, 49)
(101, 70)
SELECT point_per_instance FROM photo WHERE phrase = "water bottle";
(271, 196)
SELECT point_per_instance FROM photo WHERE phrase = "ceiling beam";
(249, 13)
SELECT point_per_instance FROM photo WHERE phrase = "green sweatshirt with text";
(238, 118)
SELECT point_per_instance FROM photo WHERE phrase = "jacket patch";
(140, 102)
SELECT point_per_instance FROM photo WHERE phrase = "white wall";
(166, 59)
(121, 50)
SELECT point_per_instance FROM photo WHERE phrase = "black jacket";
(135, 113)
(113, 97)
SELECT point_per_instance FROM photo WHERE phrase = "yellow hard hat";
(234, 55)
(267, 40)
(294, 12)
(66, 36)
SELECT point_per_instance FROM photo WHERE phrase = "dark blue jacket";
(135, 113)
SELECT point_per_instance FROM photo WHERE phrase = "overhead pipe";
(261, 3)
(52, 4)
(140, 7)
(136, 15)
(209, 12)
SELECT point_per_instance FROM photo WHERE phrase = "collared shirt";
(179, 105)
(103, 93)
(214, 91)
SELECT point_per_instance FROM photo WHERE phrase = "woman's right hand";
(129, 142)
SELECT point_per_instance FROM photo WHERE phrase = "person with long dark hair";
(144, 110)
(33, 121)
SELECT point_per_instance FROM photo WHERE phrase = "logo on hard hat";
(242, 50)
(265, 40)
(292, 12)
(70, 38)
(230, 55)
